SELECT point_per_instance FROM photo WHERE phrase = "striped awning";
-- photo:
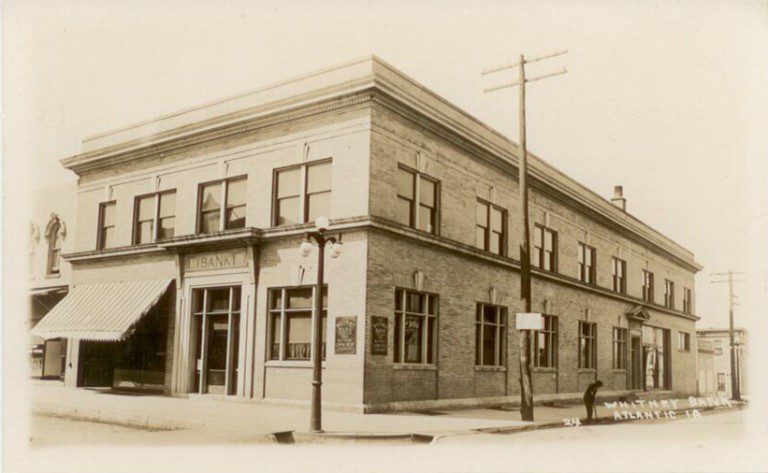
(107, 312)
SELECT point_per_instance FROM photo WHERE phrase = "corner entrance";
(216, 313)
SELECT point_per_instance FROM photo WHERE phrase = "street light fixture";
(321, 226)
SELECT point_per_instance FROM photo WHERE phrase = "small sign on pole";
(529, 321)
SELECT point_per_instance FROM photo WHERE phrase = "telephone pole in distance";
(735, 387)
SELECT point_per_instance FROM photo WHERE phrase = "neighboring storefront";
(52, 210)
(720, 367)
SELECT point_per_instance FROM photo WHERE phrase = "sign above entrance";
(215, 261)
(529, 321)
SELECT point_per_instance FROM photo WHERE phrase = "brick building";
(188, 276)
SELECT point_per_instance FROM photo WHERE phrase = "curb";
(358, 437)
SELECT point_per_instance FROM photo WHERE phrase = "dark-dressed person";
(589, 399)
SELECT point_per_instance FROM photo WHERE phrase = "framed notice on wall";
(346, 335)
(379, 333)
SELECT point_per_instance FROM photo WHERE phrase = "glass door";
(217, 329)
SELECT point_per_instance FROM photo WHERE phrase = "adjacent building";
(719, 370)
(53, 209)
(187, 275)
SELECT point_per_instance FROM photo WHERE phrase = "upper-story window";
(154, 217)
(619, 273)
(490, 225)
(225, 197)
(544, 248)
(54, 248)
(669, 294)
(687, 300)
(302, 193)
(647, 286)
(106, 237)
(587, 259)
(417, 200)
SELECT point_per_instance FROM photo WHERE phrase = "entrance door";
(636, 366)
(217, 322)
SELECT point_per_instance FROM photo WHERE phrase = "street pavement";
(714, 426)
(56, 431)
(162, 419)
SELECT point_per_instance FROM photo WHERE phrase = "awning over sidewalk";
(106, 312)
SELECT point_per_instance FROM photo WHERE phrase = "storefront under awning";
(101, 312)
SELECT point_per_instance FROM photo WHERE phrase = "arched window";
(54, 234)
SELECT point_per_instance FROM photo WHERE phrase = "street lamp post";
(321, 226)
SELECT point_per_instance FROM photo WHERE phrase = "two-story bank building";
(187, 276)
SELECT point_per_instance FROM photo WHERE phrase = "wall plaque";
(379, 335)
(346, 335)
(219, 260)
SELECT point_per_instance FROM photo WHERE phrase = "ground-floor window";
(587, 345)
(619, 348)
(684, 341)
(490, 335)
(290, 322)
(415, 327)
(545, 343)
(656, 356)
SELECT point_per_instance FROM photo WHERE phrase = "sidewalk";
(261, 422)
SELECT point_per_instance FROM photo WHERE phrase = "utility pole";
(526, 386)
(735, 388)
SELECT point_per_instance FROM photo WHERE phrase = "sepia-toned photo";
(384, 236)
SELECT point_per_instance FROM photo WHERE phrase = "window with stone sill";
(587, 263)
(544, 344)
(106, 236)
(587, 345)
(544, 253)
(490, 228)
(290, 323)
(225, 197)
(490, 334)
(619, 348)
(417, 200)
(619, 271)
(415, 327)
(648, 286)
(302, 193)
(154, 217)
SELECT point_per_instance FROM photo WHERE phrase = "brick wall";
(462, 278)
(462, 281)
(464, 177)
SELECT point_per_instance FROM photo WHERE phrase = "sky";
(667, 99)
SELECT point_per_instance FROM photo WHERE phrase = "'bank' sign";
(214, 261)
